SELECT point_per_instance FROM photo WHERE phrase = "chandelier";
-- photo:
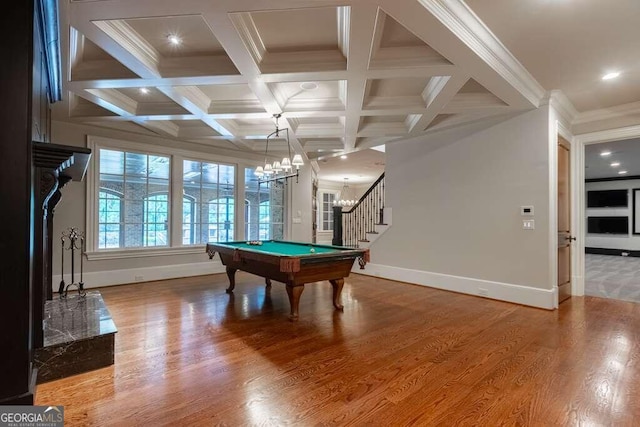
(272, 171)
(347, 198)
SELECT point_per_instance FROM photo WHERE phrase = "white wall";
(457, 222)
(70, 212)
(630, 241)
(301, 217)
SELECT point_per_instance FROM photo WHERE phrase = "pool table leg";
(337, 291)
(231, 274)
(268, 283)
(294, 293)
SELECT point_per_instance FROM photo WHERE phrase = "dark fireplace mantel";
(54, 166)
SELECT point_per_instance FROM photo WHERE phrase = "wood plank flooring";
(189, 354)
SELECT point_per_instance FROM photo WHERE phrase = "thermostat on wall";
(526, 210)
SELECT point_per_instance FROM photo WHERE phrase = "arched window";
(110, 219)
(221, 219)
(155, 219)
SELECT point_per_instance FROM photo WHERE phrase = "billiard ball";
(312, 250)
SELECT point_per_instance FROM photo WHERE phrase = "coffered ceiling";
(346, 75)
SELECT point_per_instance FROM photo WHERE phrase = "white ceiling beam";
(363, 19)
(436, 95)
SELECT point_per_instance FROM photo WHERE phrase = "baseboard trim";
(525, 295)
(97, 279)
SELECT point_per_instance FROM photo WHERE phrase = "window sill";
(107, 254)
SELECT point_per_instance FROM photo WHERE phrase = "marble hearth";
(79, 336)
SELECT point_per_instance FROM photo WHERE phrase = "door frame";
(577, 152)
(578, 191)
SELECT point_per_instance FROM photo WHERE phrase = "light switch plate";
(528, 224)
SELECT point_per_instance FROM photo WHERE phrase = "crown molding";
(129, 39)
(117, 99)
(559, 102)
(374, 102)
(610, 113)
(162, 127)
(195, 96)
(406, 57)
(344, 25)
(237, 106)
(299, 61)
(249, 34)
(628, 132)
(467, 26)
(329, 104)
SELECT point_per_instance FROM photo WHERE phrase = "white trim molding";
(525, 295)
(96, 279)
(468, 27)
(144, 252)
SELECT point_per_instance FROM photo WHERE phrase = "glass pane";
(135, 188)
(278, 232)
(210, 173)
(136, 164)
(159, 167)
(191, 171)
(227, 174)
(111, 162)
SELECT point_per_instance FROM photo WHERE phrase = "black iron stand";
(72, 240)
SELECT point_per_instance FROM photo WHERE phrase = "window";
(156, 220)
(208, 207)
(265, 207)
(221, 214)
(133, 201)
(326, 212)
(109, 219)
(263, 220)
(152, 200)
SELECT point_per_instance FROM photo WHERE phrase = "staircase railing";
(352, 226)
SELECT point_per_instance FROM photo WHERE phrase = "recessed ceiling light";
(344, 156)
(144, 90)
(308, 86)
(615, 164)
(622, 172)
(174, 39)
(610, 76)
(605, 153)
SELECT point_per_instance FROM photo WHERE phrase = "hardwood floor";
(189, 354)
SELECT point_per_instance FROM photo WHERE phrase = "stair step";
(382, 223)
(372, 232)
(364, 240)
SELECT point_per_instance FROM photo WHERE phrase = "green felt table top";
(286, 248)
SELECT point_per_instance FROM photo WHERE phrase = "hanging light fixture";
(347, 198)
(271, 171)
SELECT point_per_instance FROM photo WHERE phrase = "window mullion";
(176, 190)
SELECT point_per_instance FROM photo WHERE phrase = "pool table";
(291, 263)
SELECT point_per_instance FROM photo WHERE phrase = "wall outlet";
(138, 278)
(483, 292)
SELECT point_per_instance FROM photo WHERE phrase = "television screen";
(607, 199)
(608, 224)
